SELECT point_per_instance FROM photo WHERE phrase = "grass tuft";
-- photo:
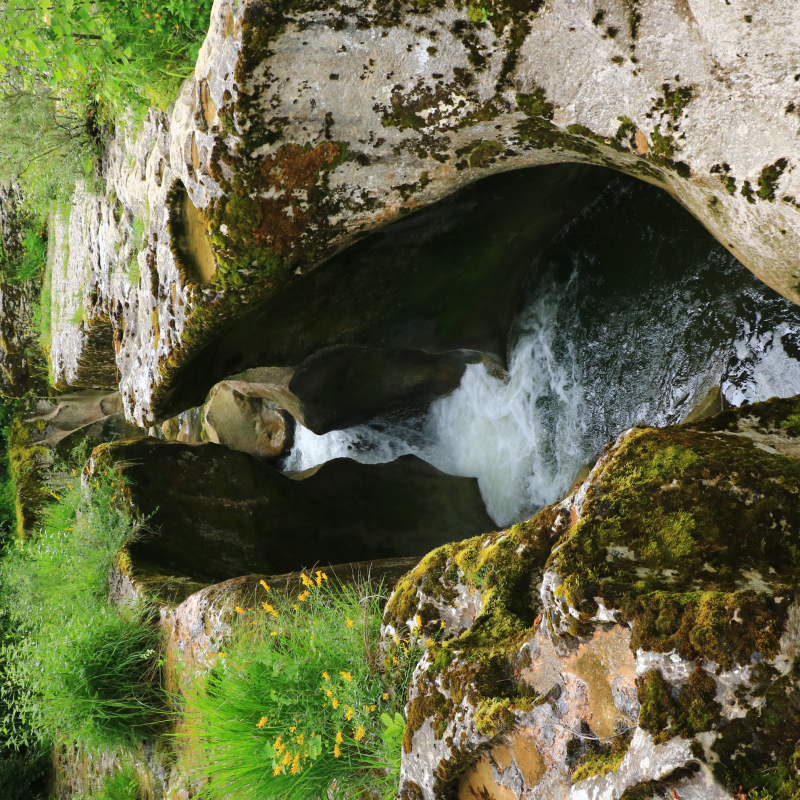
(295, 707)
(76, 667)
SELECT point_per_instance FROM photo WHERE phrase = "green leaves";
(394, 728)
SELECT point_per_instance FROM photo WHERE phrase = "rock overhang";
(305, 126)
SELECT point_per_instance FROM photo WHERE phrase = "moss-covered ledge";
(666, 608)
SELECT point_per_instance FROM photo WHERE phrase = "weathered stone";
(44, 435)
(305, 127)
(23, 366)
(636, 639)
(217, 513)
(339, 387)
(711, 404)
(248, 423)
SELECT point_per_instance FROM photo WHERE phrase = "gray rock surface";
(216, 513)
(674, 662)
(305, 127)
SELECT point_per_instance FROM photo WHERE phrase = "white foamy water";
(591, 356)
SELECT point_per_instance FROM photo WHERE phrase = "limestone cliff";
(306, 126)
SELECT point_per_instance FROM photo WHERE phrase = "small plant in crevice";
(122, 785)
(296, 707)
(75, 666)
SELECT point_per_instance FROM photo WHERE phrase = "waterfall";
(631, 316)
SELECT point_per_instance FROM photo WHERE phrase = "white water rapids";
(615, 331)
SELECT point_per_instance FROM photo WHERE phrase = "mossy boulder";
(642, 634)
(216, 513)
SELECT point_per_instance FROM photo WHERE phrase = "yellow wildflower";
(359, 733)
(269, 609)
(262, 722)
(287, 759)
(239, 610)
(277, 771)
(326, 676)
(418, 621)
(278, 744)
(304, 596)
(335, 703)
(339, 737)
(372, 708)
(349, 623)
(349, 715)
(292, 729)
(442, 624)
(300, 738)
(329, 693)
(222, 655)
(306, 580)
(386, 695)
(319, 578)
(296, 764)
(264, 584)
(274, 633)
(429, 642)
(346, 676)
(336, 751)
(295, 607)
(150, 30)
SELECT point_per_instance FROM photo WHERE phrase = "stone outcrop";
(23, 367)
(304, 127)
(216, 513)
(247, 421)
(637, 639)
(45, 434)
(342, 386)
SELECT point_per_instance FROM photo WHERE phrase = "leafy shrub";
(118, 53)
(75, 666)
(295, 707)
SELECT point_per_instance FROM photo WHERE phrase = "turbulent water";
(630, 316)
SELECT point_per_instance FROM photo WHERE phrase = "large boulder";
(637, 640)
(247, 421)
(339, 387)
(216, 513)
(304, 128)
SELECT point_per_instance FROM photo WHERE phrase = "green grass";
(124, 785)
(76, 668)
(295, 708)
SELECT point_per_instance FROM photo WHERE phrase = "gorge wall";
(306, 127)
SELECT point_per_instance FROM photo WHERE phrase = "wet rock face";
(217, 513)
(637, 638)
(339, 387)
